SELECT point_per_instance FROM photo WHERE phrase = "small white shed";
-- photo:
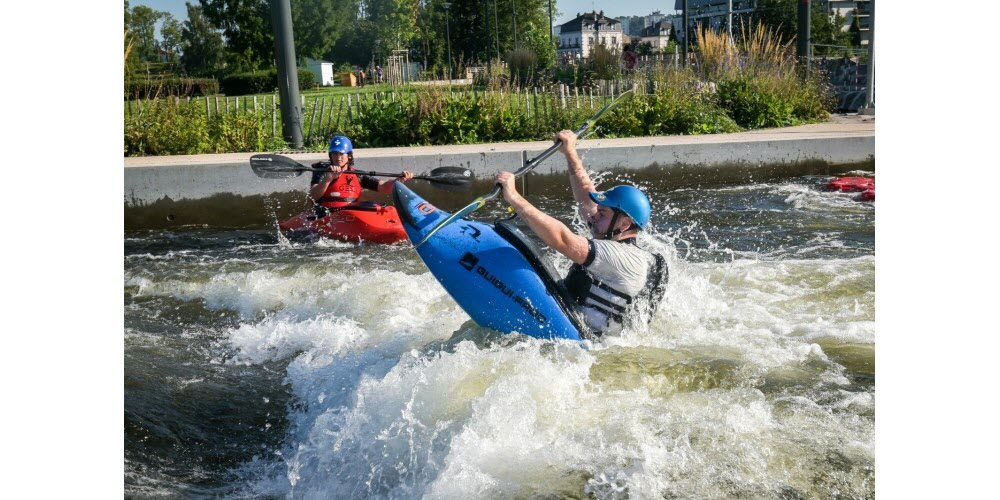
(323, 71)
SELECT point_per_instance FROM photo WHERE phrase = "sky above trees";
(567, 8)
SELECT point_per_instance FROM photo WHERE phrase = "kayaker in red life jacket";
(611, 279)
(338, 187)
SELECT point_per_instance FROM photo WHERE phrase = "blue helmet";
(629, 200)
(340, 144)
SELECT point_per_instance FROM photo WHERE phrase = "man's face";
(600, 221)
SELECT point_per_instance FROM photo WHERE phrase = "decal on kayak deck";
(474, 232)
(342, 218)
(425, 208)
(469, 261)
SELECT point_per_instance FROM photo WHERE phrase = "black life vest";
(620, 307)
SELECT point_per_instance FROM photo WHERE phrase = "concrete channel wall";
(159, 188)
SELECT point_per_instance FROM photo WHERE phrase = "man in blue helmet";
(612, 279)
(338, 187)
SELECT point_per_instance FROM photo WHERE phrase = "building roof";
(659, 28)
(588, 18)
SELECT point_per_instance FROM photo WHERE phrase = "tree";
(394, 24)
(783, 17)
(202, 44)
(855, 30)
(131, 59)
(319, 24)
(246, 25)
(170, 36)
(142, 27)
(533, 30)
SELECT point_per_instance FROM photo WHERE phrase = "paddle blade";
(269, 166)
(454, 179)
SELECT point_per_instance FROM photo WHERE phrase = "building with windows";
(633, 25)
(712, 13)
(850, 9)
(657, 35)
(578, 37)
(715, 14)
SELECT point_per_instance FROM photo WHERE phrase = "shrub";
(164, 128)
(522, 63)
(752, 105)
(758, 83)
(150, 88)
(242, 131)
(262, 82)
(604, 63)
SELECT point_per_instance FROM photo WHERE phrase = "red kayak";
(863, 185)
(363, 221)
(851, 184)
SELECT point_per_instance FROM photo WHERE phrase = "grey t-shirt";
(621, 266)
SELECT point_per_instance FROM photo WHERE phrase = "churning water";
(256, 367)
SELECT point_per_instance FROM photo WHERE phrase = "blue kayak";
(493, 271)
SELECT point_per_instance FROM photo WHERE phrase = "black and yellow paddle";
(272, 166)
(527, 167)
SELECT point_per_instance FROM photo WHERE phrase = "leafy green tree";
(533, 31)
(394, 24)
(470, 38)
(246, 25)
(142, 27)
(319, 24)
(131, 59)
(783, 17)
(170, 36)
(202, 44)
(855, 30)
(432, 34)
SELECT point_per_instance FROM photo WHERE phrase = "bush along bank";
(752, 83)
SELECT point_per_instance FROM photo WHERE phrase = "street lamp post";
(513, 13)
(496, 28)
(550, 21)
(684, 17)
(447, 27)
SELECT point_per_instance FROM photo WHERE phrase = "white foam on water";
(305, 290)
(674, 409)
(531, 420)
(809, 197)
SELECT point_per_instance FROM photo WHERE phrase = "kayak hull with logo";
(360, 222)
(491, 270)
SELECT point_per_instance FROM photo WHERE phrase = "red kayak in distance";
(361, 222)
(863, 185)
(851, 184)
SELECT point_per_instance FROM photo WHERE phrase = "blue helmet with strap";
(341, 144)
(627, 199)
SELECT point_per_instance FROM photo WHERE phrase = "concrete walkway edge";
(841, 140)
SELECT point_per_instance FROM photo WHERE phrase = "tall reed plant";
(757, 78)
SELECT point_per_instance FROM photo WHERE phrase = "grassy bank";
(752, 83)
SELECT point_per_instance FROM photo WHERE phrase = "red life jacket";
(344, 190)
